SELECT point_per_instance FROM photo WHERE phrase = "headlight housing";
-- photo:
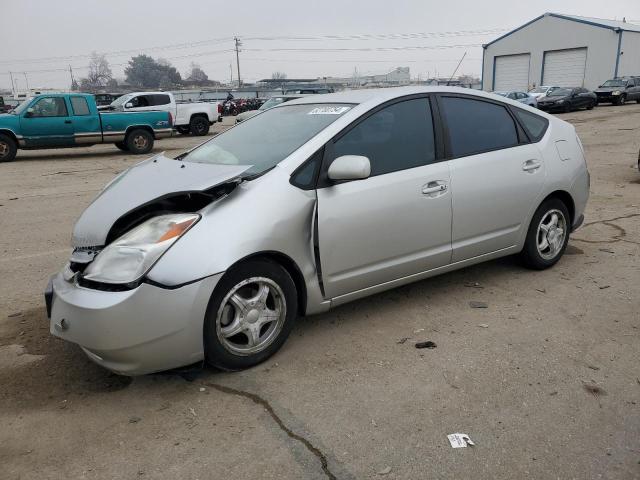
(132, 255)
(617, 92)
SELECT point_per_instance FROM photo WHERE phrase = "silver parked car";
(309, 205)
(522, 97)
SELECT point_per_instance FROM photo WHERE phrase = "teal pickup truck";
(63, 120)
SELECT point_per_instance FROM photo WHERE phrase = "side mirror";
(29, 112)
(128, 105)
(350, 167)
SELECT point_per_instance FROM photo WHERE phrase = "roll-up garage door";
(511, 72)
(565, 68)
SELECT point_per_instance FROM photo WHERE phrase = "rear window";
(477, 126)
(534, 125)
(159, 99)
(80, 106)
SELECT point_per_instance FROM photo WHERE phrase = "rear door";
(86, 125)
(46, 123)
(395, 223)
(496, 175)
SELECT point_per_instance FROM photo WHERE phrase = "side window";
(534, 125)
(80, 106)
(305, 177)
(160, 99)
(140, 101)
(477, 126)
(397, 137)
(513, 96)
(50, 107)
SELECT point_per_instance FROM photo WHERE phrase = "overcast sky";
(38, 35)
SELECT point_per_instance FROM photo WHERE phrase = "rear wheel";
(139, 141)
(8, 148)
(199, 126)
(250, 315)
(122, 146)
(547, 236)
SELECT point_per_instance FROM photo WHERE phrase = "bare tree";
(279, 76)
(99, 71)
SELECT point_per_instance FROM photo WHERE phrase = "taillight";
(170, 119)
(219, 108)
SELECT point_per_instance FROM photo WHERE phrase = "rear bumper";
(164, 133)
(139, 331)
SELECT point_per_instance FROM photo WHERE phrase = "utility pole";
(454, 72)
(230, 74)
(13, 86)
(72, 80)
(26, 81)
(238, 45)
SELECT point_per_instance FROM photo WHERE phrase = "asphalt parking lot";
(546, 380)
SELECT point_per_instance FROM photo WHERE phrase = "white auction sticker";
(459, 440)
(328, 110)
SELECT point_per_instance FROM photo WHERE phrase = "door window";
(140, 101)
(80, 106)
(397, 137)
(50, 107)
(477, 126)
(160, 99)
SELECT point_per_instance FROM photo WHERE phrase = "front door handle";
(68, 121)
(531, 165)
(434, 187)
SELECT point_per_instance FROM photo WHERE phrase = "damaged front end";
(155, 197)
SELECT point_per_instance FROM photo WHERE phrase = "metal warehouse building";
(562, 50)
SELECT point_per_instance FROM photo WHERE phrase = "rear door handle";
(531, 165)
(438, 186)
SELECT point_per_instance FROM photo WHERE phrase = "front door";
(495, 176)
(395, 223)
(46, 123)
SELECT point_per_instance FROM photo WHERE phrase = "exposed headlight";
(617, 92)
(129, 257)
(560, 102)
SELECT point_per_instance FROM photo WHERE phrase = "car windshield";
(539, 90)
(272, 102)
(22, 107)
(560, 92)
(118, 102)
(268, 138)
(614, 83)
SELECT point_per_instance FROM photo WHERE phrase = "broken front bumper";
(139, 331)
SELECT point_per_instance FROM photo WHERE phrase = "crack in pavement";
(618, 237)
(261, 401)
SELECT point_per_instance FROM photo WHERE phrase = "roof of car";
(381, 94)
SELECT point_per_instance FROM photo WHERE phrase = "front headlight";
(560, 102)
(617, 92)
(129, 257)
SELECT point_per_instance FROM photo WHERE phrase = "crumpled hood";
(149, 180)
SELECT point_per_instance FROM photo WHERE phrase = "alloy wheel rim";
(4, 149)
(251, 316)
(140, 141)
(199, 127)
(552, 231)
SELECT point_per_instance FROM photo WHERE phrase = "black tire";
(183, 130)
(591, 105)
(221, 356)
(122, 146)
(530, 255)
(568, 108)
(8, 148)
(622, 100)
(638, 100)
(199, 126)
(139, 141)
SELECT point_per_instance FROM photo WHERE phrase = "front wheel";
(622, 100)
(139, 141)
(547, 236)
(250, 315)
(591, 105)
(8, 148)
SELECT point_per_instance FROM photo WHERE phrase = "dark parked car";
(568, 99)
(619, 90)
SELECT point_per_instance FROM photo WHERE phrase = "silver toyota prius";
(306, 206)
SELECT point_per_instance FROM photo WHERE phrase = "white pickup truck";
(194, 118)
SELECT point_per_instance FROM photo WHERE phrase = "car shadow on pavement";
(38, 369)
